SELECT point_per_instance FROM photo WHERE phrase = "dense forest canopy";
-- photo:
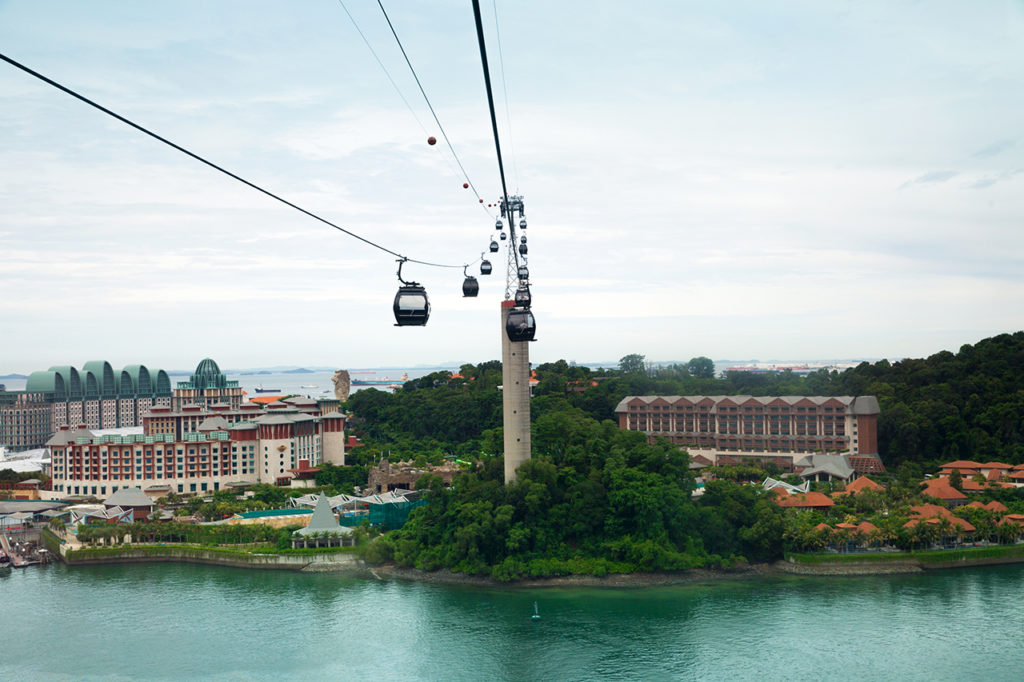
(597, 499)
(967, 405)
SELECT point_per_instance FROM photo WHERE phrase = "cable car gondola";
(520, 325)
(523, 298)
(485, 267)
(523, 272)
(412, 307)
(522, 224)
(470, 287)
(522, 249)
(494, 246)
(498, 224)
(503, 236)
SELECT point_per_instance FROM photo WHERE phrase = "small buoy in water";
(465, 185)
(536, 613)
(431, 140)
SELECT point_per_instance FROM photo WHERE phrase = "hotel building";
(98, 396)
(102, 397)
(196, 450)
(769, 429)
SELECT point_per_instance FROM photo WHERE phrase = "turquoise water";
(185, 622)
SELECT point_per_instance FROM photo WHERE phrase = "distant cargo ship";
(260, 389)
(376, 382)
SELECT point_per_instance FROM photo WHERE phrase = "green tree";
(701, 367)
(956, 480)
(632, 364)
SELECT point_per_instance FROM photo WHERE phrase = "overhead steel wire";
(398, 90)
(429, 105)
(209, 163)
(490, 104)
(383, 68)
(504, 87)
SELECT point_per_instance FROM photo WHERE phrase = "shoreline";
(349, 563)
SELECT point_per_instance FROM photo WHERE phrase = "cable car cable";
(429, 105)
(490, 102)
(399, 91)
(195, 156)
(384, 68)
(504, 87)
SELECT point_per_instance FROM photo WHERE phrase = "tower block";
(515, 375)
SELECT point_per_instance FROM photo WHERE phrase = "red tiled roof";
(862, 483)
(940, 488)
(994, 474)
(866, 527)
(954, 520)
(995, 465)
(995, 506)
(966, 473)
(977, 505)
(811, 499)
(962, 464)
(930, 511)
(822, 527)
(846, 526)
(957, 521)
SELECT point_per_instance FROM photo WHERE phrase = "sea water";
(189, 622)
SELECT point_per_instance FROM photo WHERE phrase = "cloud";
(990, 180)
(933, 178)
(993, 149)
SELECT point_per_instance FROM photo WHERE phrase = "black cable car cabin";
(520, 325)
(494, 246)
(470, 287)
(524, 272)
(485, 267)
(523, 298)
(412, 308)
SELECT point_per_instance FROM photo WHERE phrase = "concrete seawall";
(318, 563)
(851, 568)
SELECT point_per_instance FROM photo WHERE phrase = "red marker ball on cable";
(431, 140)
(465, 185)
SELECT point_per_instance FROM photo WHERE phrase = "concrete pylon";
(515, 376)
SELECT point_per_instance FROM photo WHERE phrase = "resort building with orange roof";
(941, 489)
(861, 484)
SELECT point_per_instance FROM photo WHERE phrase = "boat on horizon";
(260, 389)
(309, 386)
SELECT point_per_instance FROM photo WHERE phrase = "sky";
(745, 180)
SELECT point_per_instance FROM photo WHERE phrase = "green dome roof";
(208, 375)
(207, 368)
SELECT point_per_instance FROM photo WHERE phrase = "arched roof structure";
(92, 386)
(162, 385)
(104, 377)
(140, 379)
(46, 382)
(72, 380)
